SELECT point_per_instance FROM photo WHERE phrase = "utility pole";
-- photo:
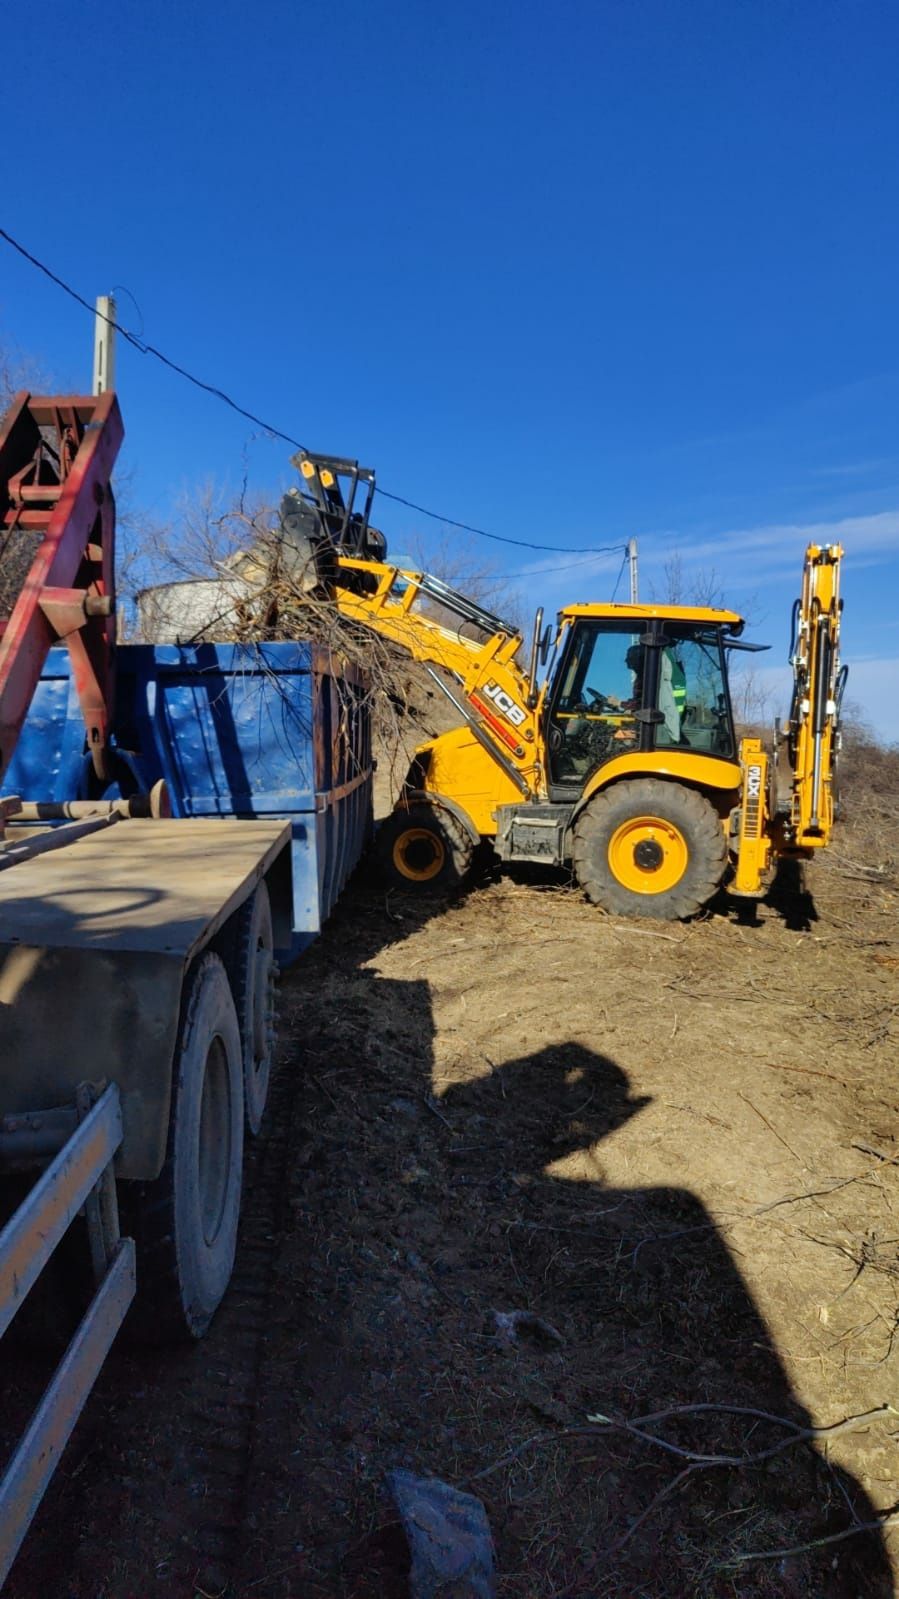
(104, 345)
(632, 565)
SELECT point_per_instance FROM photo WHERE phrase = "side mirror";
(538, 657)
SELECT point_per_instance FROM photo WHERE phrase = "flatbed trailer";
(104, 1070)
(170, 826)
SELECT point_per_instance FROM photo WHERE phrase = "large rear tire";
(424, 849)
(649, 848)
(252, 971)
(185, 1223)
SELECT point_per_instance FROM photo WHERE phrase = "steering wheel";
(599, 700)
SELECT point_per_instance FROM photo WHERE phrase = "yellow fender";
(683, 766)
(422, 796)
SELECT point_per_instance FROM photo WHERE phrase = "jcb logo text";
(505, 703)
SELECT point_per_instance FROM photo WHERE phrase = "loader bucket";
(308, 557)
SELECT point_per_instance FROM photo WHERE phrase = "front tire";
(424, 849)
(185, 1223)
(649, 848)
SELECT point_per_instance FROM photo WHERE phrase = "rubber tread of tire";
(237, 966)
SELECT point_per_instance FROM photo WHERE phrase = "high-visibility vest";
(678, 682)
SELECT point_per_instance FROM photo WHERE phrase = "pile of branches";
(256, 594)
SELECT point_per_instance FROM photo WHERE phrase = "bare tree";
(673, 569)
(20, 371)
(680, 587)
(462, 567)
(752, 698)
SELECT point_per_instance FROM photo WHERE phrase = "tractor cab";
(637, 680)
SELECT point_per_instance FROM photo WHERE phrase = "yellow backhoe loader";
(611, 749)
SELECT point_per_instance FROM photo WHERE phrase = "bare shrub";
(868, 785)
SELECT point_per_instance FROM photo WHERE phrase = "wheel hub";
(648, 854)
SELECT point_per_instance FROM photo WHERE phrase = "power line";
(544, 569)
(520, 544)
(620, 574)
(267, 427)
(123, 289)
(150, 349)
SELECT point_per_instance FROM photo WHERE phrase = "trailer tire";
(185, 1223)
(649, 848)
(253, 975)
(424, 849)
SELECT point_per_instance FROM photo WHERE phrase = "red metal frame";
(56, 459)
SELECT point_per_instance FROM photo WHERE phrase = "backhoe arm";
(818, 681)
(797, 821)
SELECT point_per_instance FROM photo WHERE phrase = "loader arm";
(496, 701)
(330, 547)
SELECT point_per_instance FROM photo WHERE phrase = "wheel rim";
(419, 854)
(648, 855)
(215, 1140)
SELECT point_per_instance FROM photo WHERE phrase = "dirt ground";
(674, 1147)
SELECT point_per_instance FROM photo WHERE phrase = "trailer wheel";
(253, 982)
(185, 1222)
(649, 848)
(424, 849)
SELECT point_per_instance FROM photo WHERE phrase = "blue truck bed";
(266, 730)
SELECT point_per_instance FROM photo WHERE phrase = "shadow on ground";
(417, 1219)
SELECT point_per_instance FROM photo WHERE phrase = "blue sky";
(572, 273)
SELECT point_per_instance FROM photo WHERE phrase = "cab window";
(593, 717)
(621, 690)
(692, 695)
